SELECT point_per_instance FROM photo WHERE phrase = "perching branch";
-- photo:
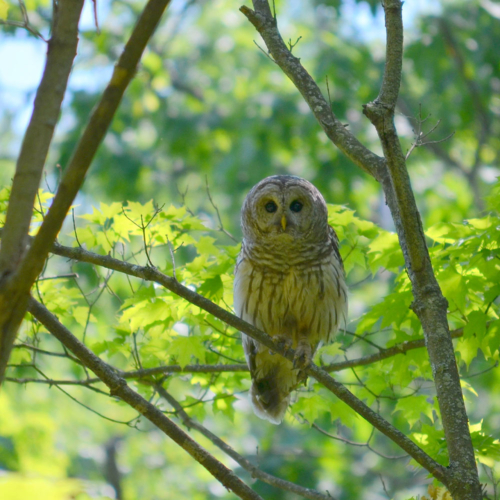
(15, 289)
(384, 353)
(147, 373)
(244, 463)
(152, 274)
(119, 388)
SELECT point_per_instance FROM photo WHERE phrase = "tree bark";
(429, 304)
(29, 168)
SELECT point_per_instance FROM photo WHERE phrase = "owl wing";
(242, 278)
(334, 240)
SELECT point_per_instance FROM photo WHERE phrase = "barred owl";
(289, 282)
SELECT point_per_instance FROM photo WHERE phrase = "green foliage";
(138, 324)
(206, 101)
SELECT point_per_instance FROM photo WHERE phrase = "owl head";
(284, 208)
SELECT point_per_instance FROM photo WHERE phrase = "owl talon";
(303, 356)
(282, 342)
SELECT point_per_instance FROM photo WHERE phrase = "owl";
(289, 282)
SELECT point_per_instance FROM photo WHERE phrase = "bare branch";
(25, 24)
(400, 348)
(60, 277)
(421, 136)
(265, 23)
(119, 388)
(221, 226)
(30, 163)
(60, 55)
(246, 464)
(429, 304)
(352, 443)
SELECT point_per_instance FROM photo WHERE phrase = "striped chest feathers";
(301, 301)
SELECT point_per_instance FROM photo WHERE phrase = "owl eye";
(271, 207)
(296, 206)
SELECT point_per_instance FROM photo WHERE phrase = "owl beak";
(283, 222)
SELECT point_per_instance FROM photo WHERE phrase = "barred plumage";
(289, 282)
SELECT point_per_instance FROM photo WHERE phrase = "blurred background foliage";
(208, 107)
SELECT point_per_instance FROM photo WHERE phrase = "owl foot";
(283, 342)
(303, 355)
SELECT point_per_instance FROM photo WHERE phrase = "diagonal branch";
(265, 23)
(92, 137)
(152, 274)
(34, 149)
(35, 146)
(119, 388)
(14, 292)
(244, 463)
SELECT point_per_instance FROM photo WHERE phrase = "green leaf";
(476, 324)
(183, 348)
(454, 288)
(206, 245)
(468, 347)
(224, 406)
(212, 288)
(330, 350)
(412, 407)
(384, 251)
(353, 257)
(147, 312)
(80, 314)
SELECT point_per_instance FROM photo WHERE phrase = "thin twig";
(243, 462)
(60, 277)
(221, 226)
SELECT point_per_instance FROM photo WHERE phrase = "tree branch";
(394, 350)
(152, 274)
(246, 464)
(266, 25)
(30, 163)
(146, 373)
(14, 293)
(35, 146)
(383, 353)
(429, 303)
(119, 388)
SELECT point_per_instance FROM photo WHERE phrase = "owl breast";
(302, 301)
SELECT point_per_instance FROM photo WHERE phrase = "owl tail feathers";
(268, 401)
